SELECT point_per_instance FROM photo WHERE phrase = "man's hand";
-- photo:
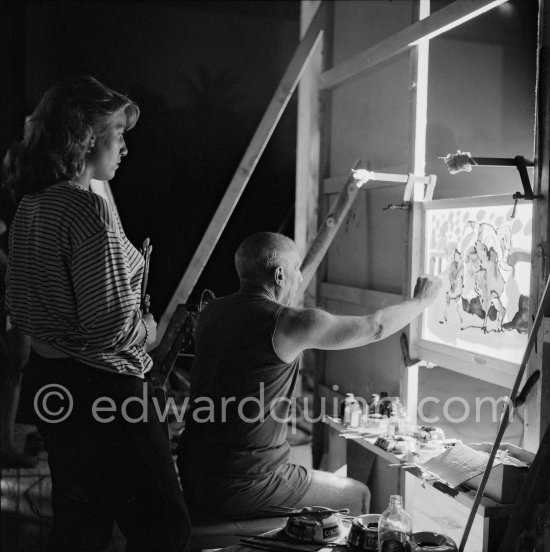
(427, 288)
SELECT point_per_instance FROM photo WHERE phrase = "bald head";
(260, 254)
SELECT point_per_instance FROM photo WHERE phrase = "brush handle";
(146, 252)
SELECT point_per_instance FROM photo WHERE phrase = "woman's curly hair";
(58, 134)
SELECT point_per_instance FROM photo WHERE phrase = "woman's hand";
(151, 329)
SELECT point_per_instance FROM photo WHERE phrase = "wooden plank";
(308, 152)
(442, 20)
(389, 457)
(546, 329)
(418, 107)
(488, 506)
(334, 219)
(333, 185)
(494, 371)
(246, 167)
(328, 229)
(368, 298)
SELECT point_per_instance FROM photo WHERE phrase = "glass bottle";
(374, 406)
(400, 417)
(394, 528)
(351, 414)
(396, 406)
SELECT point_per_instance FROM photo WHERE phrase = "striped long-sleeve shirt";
(74, 279)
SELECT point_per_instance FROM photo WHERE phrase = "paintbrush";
(282, 545)
(146, 252)
(307, 511)
(268, 514)
(287, 540)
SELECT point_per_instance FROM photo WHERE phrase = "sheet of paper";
(458, 464)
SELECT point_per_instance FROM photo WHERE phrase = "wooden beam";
(418, 108)
(308, 151)
(334, 219)
(333, 184)
(329, 229)
(439, 22)
(369, 298)
(246, 167)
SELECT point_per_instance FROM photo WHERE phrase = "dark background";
(203, 74)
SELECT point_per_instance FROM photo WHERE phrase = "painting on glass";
(481, 248)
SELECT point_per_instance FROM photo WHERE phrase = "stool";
(222, 533)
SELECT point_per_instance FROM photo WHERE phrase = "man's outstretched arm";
(300, 329)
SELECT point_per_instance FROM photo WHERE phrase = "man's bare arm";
(300, 329)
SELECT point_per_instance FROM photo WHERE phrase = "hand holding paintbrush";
(145, 299)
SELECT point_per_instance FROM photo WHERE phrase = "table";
(368, 463)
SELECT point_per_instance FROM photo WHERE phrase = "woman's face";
(106, 155)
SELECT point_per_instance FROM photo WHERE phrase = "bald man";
(233, 454)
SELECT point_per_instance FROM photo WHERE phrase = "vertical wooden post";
(419, 57)
(308, 144)
(308, 151)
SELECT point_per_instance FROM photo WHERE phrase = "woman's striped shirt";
(74, 279)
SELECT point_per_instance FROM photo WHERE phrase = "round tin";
(363, 533)
(315, 527)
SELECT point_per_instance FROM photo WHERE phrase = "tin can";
(363, 533)
(315, 528)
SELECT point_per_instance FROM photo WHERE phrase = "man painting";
(233, 453)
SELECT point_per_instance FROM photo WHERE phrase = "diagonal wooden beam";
(246, 167)
(439, 22)
(329, 229)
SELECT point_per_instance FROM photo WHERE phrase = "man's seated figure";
(233, 454)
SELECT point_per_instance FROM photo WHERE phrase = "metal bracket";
(410, 194)
(463, 161)
(521, 165)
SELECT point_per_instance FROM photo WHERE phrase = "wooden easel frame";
(415, 36)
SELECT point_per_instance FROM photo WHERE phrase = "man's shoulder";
(296, 330)
(297, 320)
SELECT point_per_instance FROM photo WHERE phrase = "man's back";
(240, 389)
